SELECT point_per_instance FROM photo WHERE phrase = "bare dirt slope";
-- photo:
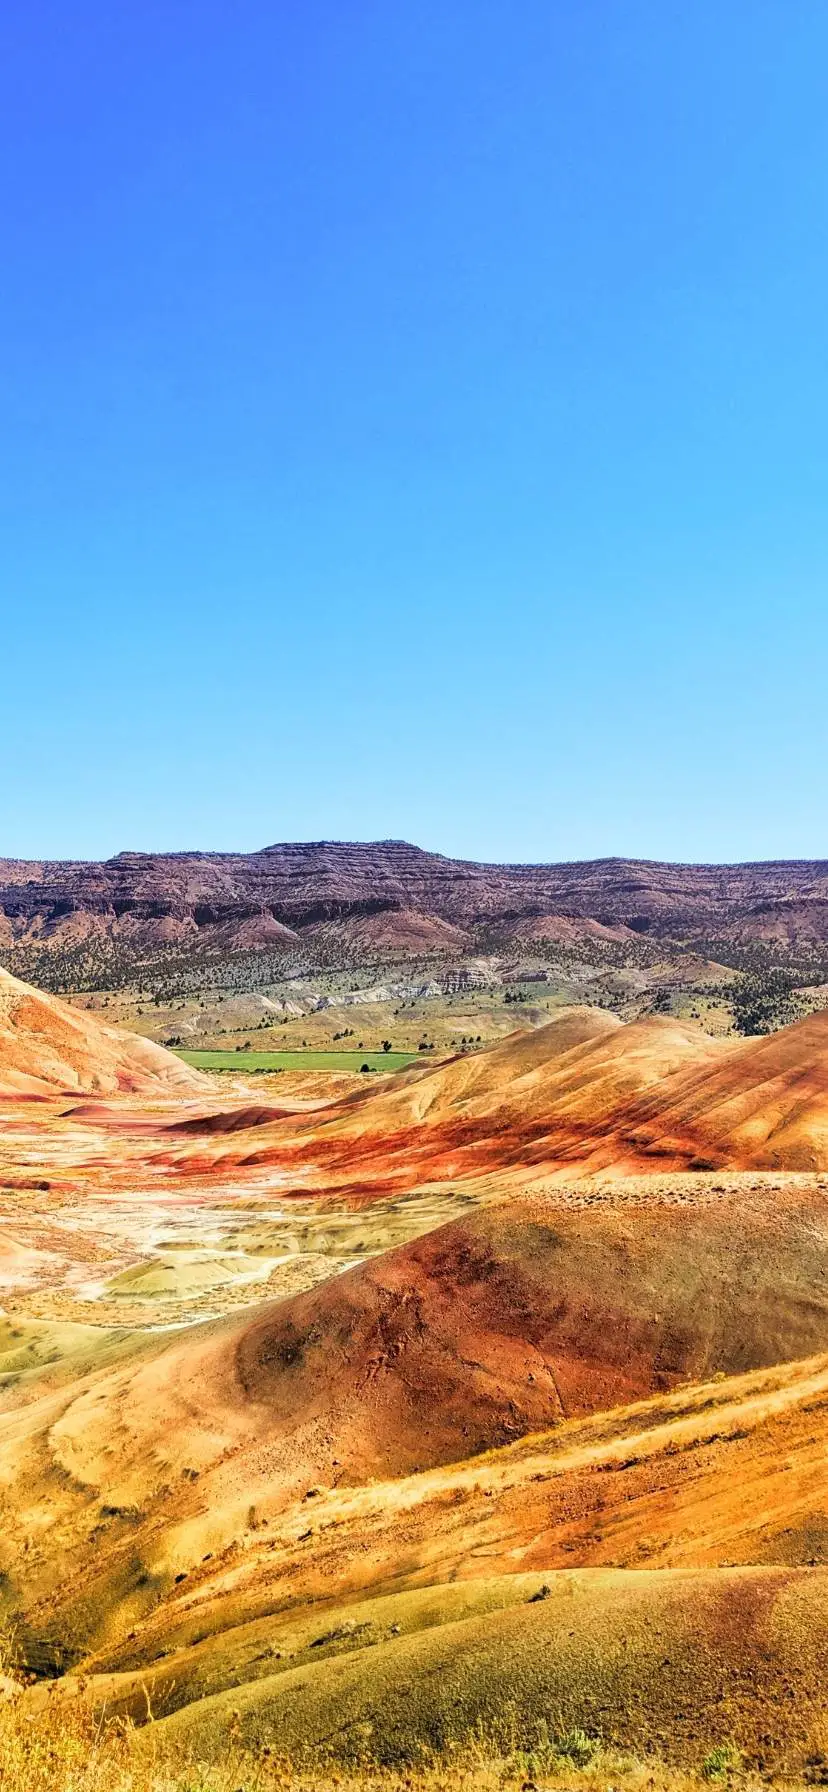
(644, 1660)
(46, 1045)
(519, 1318)
(650, 1573)
(764, 1103)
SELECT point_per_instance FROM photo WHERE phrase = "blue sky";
(414, 423)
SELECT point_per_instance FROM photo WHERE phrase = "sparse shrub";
(722, 1762)
(548, 1752)
(576, 1746)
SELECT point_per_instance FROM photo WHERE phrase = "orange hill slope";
(525, 1316)
(655, 1086)
(584, 1066)
(764, 1104)
(490, 1108)
(47, 1046)
(584, 1092)
(518, 1316)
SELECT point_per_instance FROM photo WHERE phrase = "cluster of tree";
(662, 1002)
(763, 1001)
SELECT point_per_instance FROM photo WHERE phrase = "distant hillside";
(334, 902)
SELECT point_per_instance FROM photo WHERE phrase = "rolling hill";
(554, 1458)
(582, 1093)
(47, 1046)
(557, 1461)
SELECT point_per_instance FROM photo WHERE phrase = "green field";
(301, 1060)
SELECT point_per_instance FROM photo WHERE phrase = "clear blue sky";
(414, 423)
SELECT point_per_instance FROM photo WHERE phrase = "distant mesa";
(391, 895)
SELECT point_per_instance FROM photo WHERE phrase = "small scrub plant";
(577, 1747)
(723, 1762)
(554, 1751)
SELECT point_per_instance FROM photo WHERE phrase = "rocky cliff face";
(276, 897)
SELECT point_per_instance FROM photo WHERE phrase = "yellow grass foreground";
(65, 1748)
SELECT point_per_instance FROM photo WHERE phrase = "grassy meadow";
(246, 1061)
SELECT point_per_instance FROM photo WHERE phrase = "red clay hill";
(46, 1047)
(531, 1313)
(522, 1317)
(518, 1317)
(584, 1093)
